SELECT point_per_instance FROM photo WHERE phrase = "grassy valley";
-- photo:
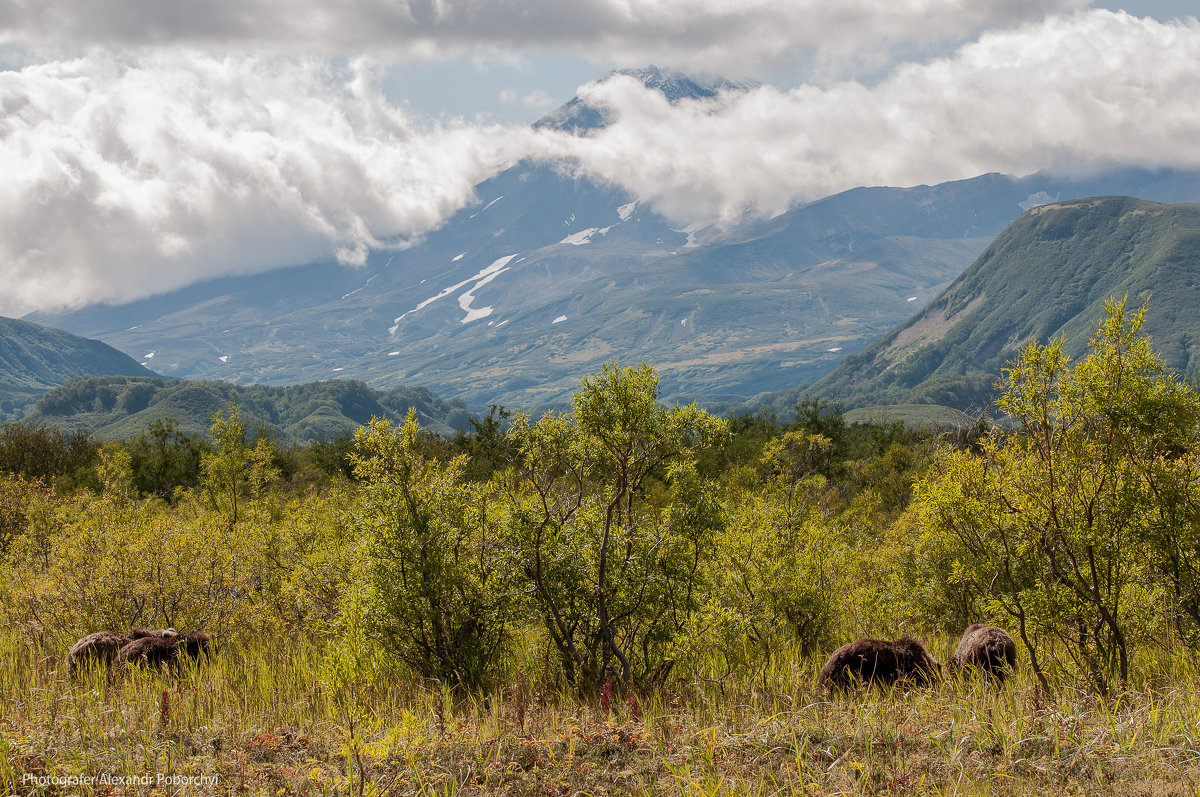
(627, 598)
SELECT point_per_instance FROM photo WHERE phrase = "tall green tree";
(165, 459)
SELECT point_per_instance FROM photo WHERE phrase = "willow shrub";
(610, 527)
(1080, 524)
(435, 595)
(118, 564)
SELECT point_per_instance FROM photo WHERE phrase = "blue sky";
(149, 144)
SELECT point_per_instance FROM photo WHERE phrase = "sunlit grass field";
(262, 720)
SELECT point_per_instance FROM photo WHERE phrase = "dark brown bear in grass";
(988, 649)
(163, 651)
(103, 646)
(879, 661)
(100, 647)
(142, 633)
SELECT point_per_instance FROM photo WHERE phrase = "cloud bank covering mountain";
(148, 146)
(697, 34)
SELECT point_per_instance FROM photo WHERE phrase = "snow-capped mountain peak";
(578, 116)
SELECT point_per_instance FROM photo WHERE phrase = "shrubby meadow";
(623, 598)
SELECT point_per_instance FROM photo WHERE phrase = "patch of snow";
(485, 207)
(496, 267)
(456, 258)
(911, 299)
(683, 323)
(224, 358)
(365, 284)
(836, 348)
(502, 323)
(482, 278)
(625, 211)
(692, 230)
(580, 238)
(393, 353)
(339, 369)
(559, 320)
(150, 356)
(136, 326)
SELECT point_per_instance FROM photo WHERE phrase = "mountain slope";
(551, 274)
(1047, 275)
(34, 358)
(767, 307)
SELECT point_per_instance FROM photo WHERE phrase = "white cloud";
(537, 100)
(718, 35)
(128, 177)
(1069, 93)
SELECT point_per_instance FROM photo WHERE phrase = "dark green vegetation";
(34, 358)
(629, 597)
(1048, 275)
(113, 408)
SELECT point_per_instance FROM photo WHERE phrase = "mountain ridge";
(551, 274)
(578, 116)
(117, 407)
(34, 358)
(1046, 276)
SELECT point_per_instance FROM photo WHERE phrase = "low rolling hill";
(116, 407)
(34, 358)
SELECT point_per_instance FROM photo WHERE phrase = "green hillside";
(1046, 276)
(115, 407)
(34, 358)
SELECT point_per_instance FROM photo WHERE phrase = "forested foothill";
(627, 597)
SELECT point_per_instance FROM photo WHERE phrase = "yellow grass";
(261, 721)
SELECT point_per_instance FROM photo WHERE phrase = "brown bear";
(104, 646)
(879, 661)
(142, 633)
(988, 649)
(160, 651)
(101, 646)
(195, 644)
